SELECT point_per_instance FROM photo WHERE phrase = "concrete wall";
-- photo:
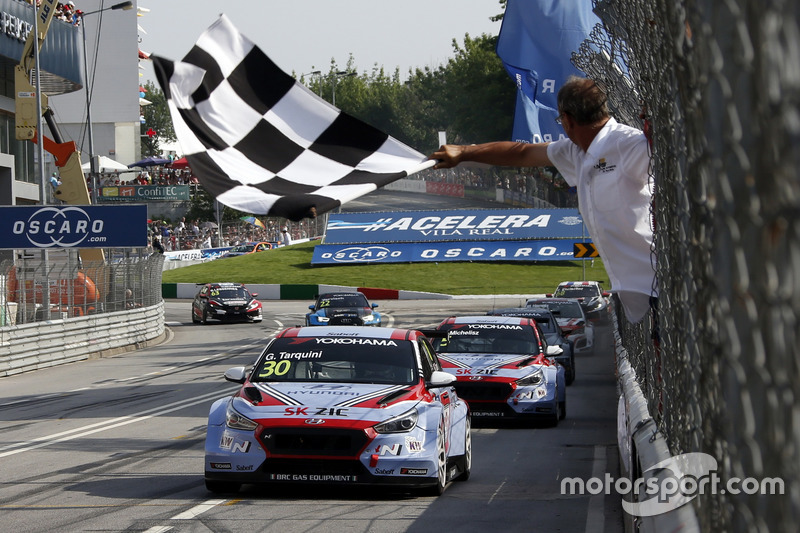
(38, 345)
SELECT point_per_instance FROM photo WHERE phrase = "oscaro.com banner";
(456, 225)
(408, 252)
(77, 226)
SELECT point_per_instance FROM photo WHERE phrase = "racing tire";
(562, 414)
(222, 487)
(569, 376)
(204, 320)
(194, 318)
(466, 461)
(441, 469)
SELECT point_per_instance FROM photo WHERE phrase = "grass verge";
(292, 265)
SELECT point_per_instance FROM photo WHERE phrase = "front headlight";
(322, 319)
(368, 318)
(235, 420)
(252, 305)
(399, 424)
(537, 378)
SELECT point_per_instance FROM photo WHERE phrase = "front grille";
(313, 441)
(483, 391)
(346, 320)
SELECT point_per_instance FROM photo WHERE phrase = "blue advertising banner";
(536, 42)
(542, 250)
(455, 225)
(73, 226)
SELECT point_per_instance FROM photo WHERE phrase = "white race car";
(504, 367)
(340, 405)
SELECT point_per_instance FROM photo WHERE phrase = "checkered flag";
(261, 142)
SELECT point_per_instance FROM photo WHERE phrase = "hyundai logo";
(314, 421)
(475, 378)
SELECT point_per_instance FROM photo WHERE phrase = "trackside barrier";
(303, 292)
(641, 446)
(38, 345)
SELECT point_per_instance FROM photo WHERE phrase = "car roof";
(365, 332)
(536, 312)
(486, 319)
(225, 285)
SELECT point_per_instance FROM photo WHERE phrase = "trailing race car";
(246, 248)
(572, 321)
(552, 332)
(591, 296)
(504, 367)
(343, 309)
(340, 405)
(225, 301)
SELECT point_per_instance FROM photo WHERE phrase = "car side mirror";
(311, 307)
(254, 294)
(554, 350)
(440, 379)
(236, 374)
(374, 306)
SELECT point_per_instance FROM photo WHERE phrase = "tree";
(156, 118)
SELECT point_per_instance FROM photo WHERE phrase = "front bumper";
(346, 456)
(494, 400)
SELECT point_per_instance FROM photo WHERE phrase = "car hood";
(344, 311)
(239, 301)
(487, 364)
(569, 323)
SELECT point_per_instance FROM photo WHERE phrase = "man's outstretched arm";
(500, 153)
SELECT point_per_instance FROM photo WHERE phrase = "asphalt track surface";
(116, 444)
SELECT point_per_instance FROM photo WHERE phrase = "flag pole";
(425, 165)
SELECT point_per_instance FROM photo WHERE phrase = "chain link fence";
(36, 287)
(719, 84)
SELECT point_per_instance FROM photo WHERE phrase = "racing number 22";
(275, 368)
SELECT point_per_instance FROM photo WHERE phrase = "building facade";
(111, 46)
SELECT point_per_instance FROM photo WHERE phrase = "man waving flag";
(261, 142)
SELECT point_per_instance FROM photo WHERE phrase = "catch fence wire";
(720, 85)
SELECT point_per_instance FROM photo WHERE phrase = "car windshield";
(488, 338)
(338, 359)
(565, 309)
(583, 291)
(230, 293)
(342, 300)
(242, 248)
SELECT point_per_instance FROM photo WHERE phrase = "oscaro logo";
(53, 226)
(361, 254)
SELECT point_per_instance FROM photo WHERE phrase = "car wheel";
(441, 460)
(466, 462)
(222, 487)
(204, 320)
(194, 318)
(570, 373)
(557, 415)
(562, 414)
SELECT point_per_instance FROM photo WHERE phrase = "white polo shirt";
(614, 195)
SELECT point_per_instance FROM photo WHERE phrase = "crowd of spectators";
(539, 183)
(197, 235)
(65, 11)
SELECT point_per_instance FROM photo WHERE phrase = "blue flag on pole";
(536, 41)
